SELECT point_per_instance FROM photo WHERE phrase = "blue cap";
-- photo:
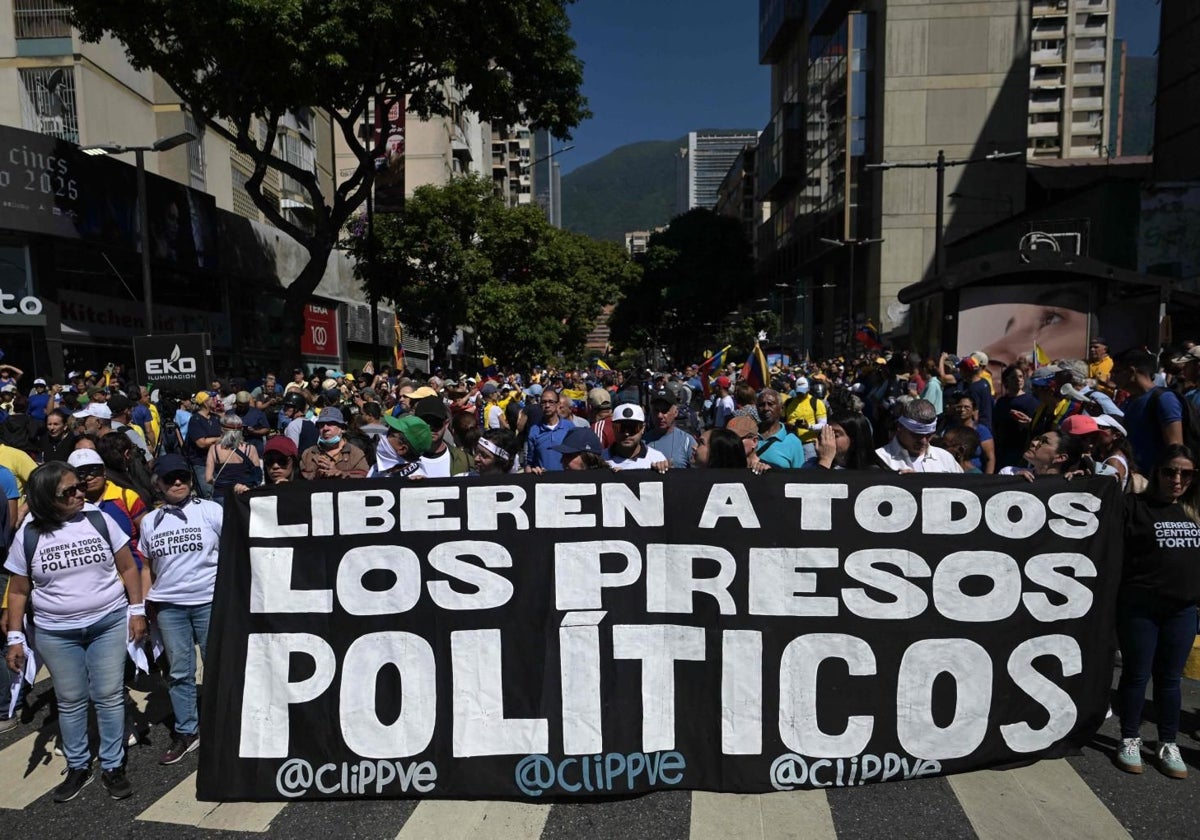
(170, 463)
(579, 440)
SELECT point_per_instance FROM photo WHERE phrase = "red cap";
(723, 382)
(1079, 424)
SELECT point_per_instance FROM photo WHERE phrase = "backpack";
(1190, 421)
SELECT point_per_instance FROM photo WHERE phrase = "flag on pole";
(1040, 357)
(706, 368)
(868, 336)
(398, 344)
(600, 365)
(755, 369)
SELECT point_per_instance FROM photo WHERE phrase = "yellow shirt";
(19, 463)
(804, 412)
(1101, 370)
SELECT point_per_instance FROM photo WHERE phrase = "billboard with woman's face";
(1007, 321)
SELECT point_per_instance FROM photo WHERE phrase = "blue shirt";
(1145, 423)
(676, 444)
(8, 483)
(537, 449)
(199, 427)
(141, 416)
(787, 451)
(37, 405)
(254, 418)
(983, 396)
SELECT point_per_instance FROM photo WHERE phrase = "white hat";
(100, 411)
(85, 458)
(1108, 420)
(629, 412)
(39, 381)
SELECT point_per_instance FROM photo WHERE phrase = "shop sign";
(321, 335)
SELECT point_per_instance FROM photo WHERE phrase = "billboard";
(181, 362)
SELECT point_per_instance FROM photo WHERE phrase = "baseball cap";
(489, 389)
(201, 397)
(415, 431)
(430, 408)
(1079, 424)
(422, 392)
(332, 414)
(282, 444)
(39, 381)
(94, 409)
(1077, 368)
(722, 381)
(1099, 339)
(667, 396)
(599, 398)
(579, 440)
(1192, 355)
(802, 386)
(85, 458)
(170, 463)
(1107, 420)
(628, 413)
(1044, 375)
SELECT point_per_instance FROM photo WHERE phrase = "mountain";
(630, 188)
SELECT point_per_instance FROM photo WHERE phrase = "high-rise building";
(868, 82)
(1070, 74)
(703, 164)
(512, 173)
(1177, 119)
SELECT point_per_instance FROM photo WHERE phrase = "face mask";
(330, 442)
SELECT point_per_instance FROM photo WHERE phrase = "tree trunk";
(296, 297)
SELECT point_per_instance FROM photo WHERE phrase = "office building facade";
(868, 82)
(701, 166)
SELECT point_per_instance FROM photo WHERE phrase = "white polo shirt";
(935, 460)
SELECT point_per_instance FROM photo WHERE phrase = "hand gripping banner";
(592, 634)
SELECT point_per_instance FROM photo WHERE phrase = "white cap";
(628, 412)
(85, 458)
(1108, 420)
(39, 381)
(94, 409)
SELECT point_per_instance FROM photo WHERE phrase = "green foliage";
(630, 188)
(696, 270)
(457, 255)
(241, 65)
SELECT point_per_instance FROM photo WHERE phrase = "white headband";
(917, 427)
(487, 446)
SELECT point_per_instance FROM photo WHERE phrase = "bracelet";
(137, 609)
(16, 637)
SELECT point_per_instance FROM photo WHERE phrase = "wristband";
(16, 637)
(137, 609)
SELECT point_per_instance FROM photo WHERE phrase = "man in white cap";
(96, 419)
(628, 452)
(39, 400)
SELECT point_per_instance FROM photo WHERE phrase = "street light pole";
(550, 178)
(940, 215)
(852, 244)
(139, 154)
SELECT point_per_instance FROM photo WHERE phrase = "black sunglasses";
(177, 477)
(276, 460)
(68, 492)
(89, 472)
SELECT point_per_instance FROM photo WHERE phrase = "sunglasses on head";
(1178, 472)
(68, 492)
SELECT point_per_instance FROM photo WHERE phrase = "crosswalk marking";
(789, 816)
(180, 807)
(445, 819)
(1047, 799)
(23, 783)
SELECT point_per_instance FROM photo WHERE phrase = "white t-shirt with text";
(181, 545)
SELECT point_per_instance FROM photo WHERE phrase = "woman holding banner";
(179, 542)
(1156, 608)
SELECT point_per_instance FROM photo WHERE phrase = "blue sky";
(656, 69)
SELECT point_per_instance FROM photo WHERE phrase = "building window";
(41, 19)
(195, 152)
(48, 102)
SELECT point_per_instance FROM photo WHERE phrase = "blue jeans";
(1156, 635)
(89, 663)
(182, 629)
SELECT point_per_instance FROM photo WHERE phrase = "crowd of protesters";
(115, 491)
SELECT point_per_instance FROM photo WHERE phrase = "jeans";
(89, 663)
(183, 628)
(1156, 635)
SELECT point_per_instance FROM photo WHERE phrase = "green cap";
(415, 430)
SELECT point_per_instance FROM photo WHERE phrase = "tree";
(458, 255)
(696, 270)
(238, 64)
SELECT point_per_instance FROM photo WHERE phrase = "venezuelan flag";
(1040, 357)
(713, 363)
(868, 336)
(398, 345)
(755, 369)
(601, 366)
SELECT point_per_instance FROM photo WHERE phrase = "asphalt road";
(1083, 797)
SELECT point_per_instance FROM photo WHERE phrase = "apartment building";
(512, 170)
(701, 166)
(1070, 78)
(69, 235)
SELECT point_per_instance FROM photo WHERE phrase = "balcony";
(1087, 103)
(1043, 129)
(777, 21)
(781, 153)
(42, 28)
(1089, 127)
(1046, 57)
(1045, 106)
(1090, 54)
(1049, 32)
(1095, 30)
(1087, 79)
(1050, 8)
(1047, 81)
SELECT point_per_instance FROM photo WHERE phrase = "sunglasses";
(85, 473)
(627, 425)
(68, 492)
(1184, 475)
(178, 477)
(277, 461)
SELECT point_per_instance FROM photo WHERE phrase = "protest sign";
(602, 634)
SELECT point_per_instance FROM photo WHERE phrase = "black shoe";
(181, 745)
(116, 784)
(77, 779)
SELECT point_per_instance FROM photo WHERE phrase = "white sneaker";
(1129, 755)
(1170, 762)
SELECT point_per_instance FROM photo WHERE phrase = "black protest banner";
(593, 634)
